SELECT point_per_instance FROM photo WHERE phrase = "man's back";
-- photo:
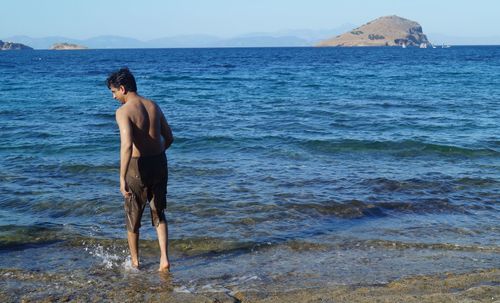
(146, 122)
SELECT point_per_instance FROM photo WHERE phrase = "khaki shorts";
(147, 180)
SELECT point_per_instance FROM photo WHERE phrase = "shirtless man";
(145, 135)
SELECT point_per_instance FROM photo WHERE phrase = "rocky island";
(67, 46)
(384, 31)
(13, 46)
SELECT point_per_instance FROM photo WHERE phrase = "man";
(145, 135)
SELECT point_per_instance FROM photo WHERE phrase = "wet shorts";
(147, 180)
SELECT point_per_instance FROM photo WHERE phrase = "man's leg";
(162, 231)
(133, 245)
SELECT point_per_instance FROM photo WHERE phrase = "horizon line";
(438, 46)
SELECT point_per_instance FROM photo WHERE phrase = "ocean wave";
(7, 65)
(191, 171)
(105, 116)
(399, 245)
(349, 210)
(356, 209)
(8, 112)
(201, 246)
(209, 142)
(406, 148)
(401, 148)
(83, 209)
(215, 79)
(439, 183)
(167, 78)
(223, 65)
(20, 237)
(13, 88)
(78, 168)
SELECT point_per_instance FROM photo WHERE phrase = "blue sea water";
(330, 155)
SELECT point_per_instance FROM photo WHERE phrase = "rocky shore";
(27, 286)
(13, 46)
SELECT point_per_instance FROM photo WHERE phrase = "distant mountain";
(112, 42)
(299, 37)
(187, 41)
(384, 31)
(314, 36)
(262, 41)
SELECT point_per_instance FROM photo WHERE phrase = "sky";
(150, 19)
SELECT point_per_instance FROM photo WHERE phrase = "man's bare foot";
(134, 263)
(164, 267)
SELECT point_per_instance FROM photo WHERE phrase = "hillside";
(384, 31)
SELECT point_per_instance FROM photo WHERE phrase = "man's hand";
(124, 189)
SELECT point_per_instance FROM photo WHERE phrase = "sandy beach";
(25, 286)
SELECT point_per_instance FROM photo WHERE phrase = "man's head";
(121, 83)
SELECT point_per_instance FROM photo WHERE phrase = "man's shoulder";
(148, 101)
(122, 112)
(151, 104)
(119, 111)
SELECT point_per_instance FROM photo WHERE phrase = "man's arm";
(125, 148)
(166, 131)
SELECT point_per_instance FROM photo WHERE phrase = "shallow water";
(291, 166)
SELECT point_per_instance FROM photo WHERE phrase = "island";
(13, 46)
(384, 31)
(67, 46)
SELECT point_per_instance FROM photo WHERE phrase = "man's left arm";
(126, 140)
(166, 131)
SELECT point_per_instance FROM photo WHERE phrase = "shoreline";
(32, 286)
(92, 270)
(477, 286)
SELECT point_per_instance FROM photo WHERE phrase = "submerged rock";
(384, 31)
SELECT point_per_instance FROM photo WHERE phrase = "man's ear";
(123, 90)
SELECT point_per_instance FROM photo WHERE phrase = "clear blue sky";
(150, 19)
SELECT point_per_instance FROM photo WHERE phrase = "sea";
(291, 168)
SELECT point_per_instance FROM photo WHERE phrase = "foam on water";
(127, 266)
(106, 256)
(184, 289)
(230, 286)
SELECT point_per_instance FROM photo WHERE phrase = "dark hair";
(122, 77)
